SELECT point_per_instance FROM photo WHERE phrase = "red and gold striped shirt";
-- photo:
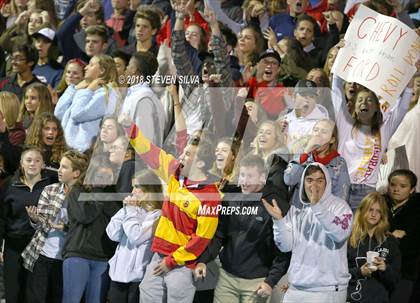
(182, 233)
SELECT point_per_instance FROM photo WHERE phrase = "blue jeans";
(84, 276)
(357, 193)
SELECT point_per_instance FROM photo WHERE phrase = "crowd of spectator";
(202, 151)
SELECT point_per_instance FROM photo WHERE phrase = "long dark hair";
(377, 119)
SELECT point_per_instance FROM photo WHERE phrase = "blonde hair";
(230, 171)
(62, 85)
(110, 70)
(45, 101)
(9, 106)
(280, 138)
(109, 76)
(360, 225)
(25, 151)
(79, 162)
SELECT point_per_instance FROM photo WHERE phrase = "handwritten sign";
(380, 53)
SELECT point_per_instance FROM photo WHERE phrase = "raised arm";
(398, 112)
(342, 115)
(219, 48)
(66, 42)
(179, 54)
(163, 164)
(181, 135)
(283, 234)
(222, 17)
(65, 39)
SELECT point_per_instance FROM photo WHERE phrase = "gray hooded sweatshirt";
(317, 237)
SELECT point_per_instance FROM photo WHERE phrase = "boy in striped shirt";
(182, 234)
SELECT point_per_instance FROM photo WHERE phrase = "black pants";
(204, 296)
(14, 273)
(124, 292)
(45, 283)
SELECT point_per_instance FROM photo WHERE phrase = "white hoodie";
(317, 237)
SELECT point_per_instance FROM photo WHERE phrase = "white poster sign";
(380, 53)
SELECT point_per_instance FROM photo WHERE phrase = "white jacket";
(132, 227)
(317, 237)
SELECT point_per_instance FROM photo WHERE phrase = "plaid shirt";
(195, 96)
(49, 205)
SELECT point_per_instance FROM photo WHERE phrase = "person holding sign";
(364, 135)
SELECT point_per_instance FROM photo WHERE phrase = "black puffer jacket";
(378, 287)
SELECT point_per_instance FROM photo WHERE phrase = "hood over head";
(327, 192)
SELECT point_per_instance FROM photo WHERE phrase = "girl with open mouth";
(364, 135)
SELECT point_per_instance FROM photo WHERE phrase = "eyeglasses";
(310, 180)
(271, 62)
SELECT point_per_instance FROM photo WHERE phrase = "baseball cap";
(46, 33)
(270, 53)
(306, 87)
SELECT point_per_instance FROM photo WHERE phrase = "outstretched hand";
(270, 35)
(274, 210)
(210, 16)
(90, 7)
(180, 6)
